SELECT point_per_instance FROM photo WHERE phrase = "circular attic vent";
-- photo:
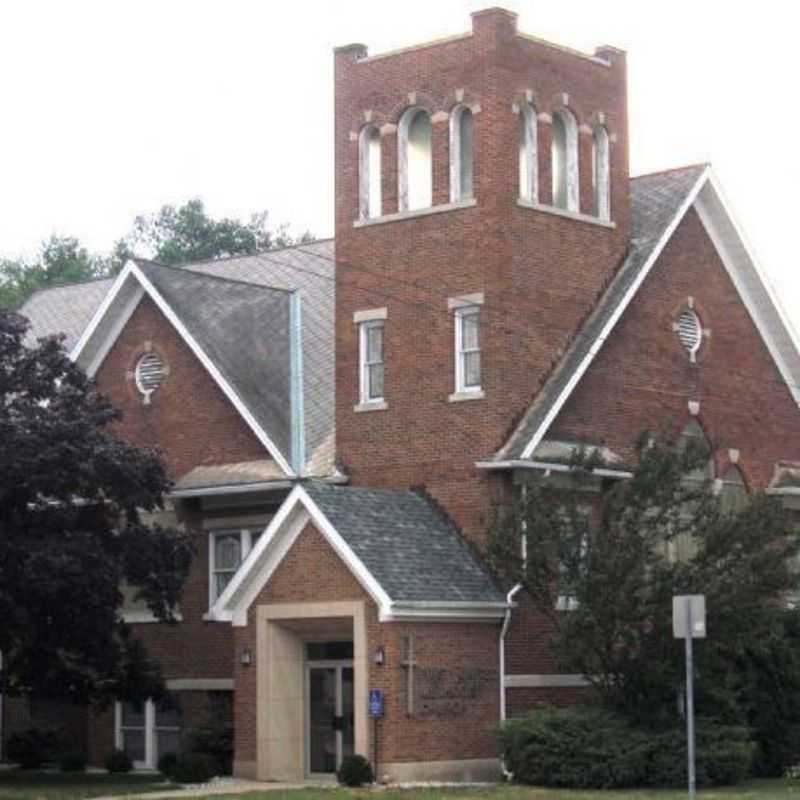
(149, 374)
(690, 333)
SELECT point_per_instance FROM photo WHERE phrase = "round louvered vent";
(149, 374)
(689, 331)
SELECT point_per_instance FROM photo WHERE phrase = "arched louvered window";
(528, 154)
(149, 374)
(733, 491)
(690, 331)
(601, 179)
(461, 153)
(369, 178)
(564, 159)
(415, 155)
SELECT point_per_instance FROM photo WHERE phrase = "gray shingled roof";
(406, 543)
(655, 200)
(201, 303)
(245, 330)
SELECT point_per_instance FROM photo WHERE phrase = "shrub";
(73, 761)
(31, 748)
(214, 740)
(585, 747)
(118, 761)
(194, 768)
(166, 764)
(355, 771)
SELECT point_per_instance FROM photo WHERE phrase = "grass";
(20, 785)
(17, 784)
(753, 790)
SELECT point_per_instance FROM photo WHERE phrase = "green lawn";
(31, 784)
(755, 790)
(19, 785)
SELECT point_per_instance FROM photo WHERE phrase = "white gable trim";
(609, 326)
(750, 280)
(119, 324)
(132, 272)
(275, 543)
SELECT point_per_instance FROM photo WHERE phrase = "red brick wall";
(540, 273)
(642, 378)
(188, 418)
(312, 572)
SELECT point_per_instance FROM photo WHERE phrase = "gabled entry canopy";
(245, 335)
(404, 553)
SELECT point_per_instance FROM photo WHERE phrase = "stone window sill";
(378, 405)
(417, 212)
(460, 397)
(561, 212)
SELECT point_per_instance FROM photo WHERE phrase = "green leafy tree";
(71, 531)
(61, 259)
(613, 564)
(173, 235)
(182, 234)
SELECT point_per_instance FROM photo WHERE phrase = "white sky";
(110, 108)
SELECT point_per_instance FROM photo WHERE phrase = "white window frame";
(458, 155)
(460, 314)
(364, 364)
(151, 755)
(369, 185)
(528, 154)
(246, 544)
(601, 173)
(570, 167)
(406, 199)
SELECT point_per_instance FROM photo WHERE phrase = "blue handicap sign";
(375, 703)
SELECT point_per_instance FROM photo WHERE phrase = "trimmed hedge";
(32, 748)
(194, 768)
(355, 771)
(586, 747)
(118, 761)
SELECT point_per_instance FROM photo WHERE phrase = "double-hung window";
(148, 730)
(371, 360)
(227, 550)
(468, 349)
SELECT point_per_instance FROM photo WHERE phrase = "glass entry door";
(330, 715)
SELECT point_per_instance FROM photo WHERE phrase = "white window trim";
(457, 192)
(246, 541)
(365, 184)
(529, 183)
(150, 754)
(365, 401)
(462, 390)
(409, 115)
(571, 166)
(601, 173)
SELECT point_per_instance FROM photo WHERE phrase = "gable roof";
(659, 202)
(403, 551)
(208, 307)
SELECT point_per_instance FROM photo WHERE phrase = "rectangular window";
(371, 358)
(148, 730)
(227, 550)
(468, 349)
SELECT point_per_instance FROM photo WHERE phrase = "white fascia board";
(736, 271)
(233, 488)
(102, 309)
(609, 326)
(132, 271)
(601, 472)
(296, 512)
(116, 329)
(444, 612)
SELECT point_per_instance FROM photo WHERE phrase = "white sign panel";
(680, 616)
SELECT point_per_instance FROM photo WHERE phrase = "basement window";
(149, 374)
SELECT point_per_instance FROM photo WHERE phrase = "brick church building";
(341, 418)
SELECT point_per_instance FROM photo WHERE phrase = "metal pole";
(690, 699)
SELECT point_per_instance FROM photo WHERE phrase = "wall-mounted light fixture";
(379, 656)
(246, 657)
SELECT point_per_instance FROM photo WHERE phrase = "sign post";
(689, 622)
(376, 712)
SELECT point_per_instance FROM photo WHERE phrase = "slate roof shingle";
(407, 544)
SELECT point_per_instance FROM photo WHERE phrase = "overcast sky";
(111, 108)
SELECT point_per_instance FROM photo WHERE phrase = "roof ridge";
(696, 165)
(260, 252)
(184, 269)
